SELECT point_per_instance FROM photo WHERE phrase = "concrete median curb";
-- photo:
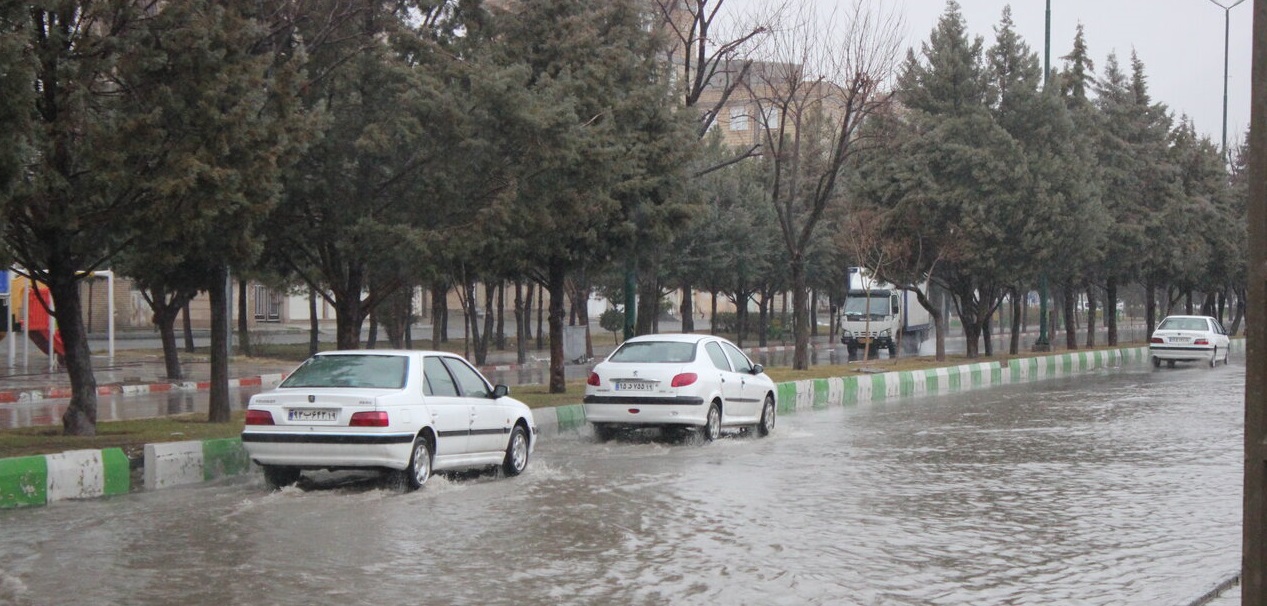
(39, 480)
(75, 474)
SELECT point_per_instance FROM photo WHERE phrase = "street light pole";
(1227, 31)
(1043, 343)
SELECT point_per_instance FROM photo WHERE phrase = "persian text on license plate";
(312, 414)
(1180, 339)
(634, 386)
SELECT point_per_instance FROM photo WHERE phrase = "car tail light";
(593, 380)
(1201, 342)
(684, 379)
(375, 418)
(1156, 340)
(259, 417)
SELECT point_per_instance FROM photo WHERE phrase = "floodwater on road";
(1120, 487)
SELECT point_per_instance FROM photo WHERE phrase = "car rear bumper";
(328, 450)
(1181, 353)
(646, 412)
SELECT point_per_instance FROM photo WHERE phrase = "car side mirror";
(500, 391)
(757, 369)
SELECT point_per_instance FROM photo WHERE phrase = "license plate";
(864, 339)
(312, 414)
(634, 386)
(1180, 339)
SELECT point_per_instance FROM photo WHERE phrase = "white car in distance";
(1188, 339)
(679, 381)
(407, 412)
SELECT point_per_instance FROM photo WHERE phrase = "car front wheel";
(712, 424)
(419, 469)
(767, 418)
(516, 452)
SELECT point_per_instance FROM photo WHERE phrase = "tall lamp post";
(1227, 30)
(1043, 343)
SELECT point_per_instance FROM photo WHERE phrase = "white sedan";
(1188, 338)
(408, 412)
(679, 381)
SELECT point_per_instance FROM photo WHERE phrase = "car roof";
(672, 336)
(384, 352)
(1201, 317)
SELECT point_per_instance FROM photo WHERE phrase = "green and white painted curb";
(81, 474)
(76, 474)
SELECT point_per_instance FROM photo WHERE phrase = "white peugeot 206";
(407, 412)
(682, 382)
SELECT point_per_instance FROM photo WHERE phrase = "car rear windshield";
(374, 372)
(655, 351)
(1183, 324)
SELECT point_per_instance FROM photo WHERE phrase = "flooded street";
(1121, 487)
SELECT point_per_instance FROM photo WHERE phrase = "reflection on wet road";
(1121, 487)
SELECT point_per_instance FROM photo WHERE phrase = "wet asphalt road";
(1119, 487)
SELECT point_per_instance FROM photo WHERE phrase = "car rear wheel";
(278, 476)
(1156, 362)
(1214, 357)
(767, 418)
(419, 469)
(516, 452)
(603, 432)
(712, 424)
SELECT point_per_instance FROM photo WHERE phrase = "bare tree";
(824, 77)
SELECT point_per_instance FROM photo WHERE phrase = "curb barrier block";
(786, 394)
(75, 474)
(224, 457)
(23, 481)
(570, 416)
(820, 393)
(118, 471)
(173, 464)
(547, 420)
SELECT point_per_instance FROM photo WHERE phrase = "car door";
(751, 391)
(450, 414)
(729, 382)
(489, 426)
(1222, 340)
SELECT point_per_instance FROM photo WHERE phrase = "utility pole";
(1227, 31)
(1254, 510)
(1044, 343)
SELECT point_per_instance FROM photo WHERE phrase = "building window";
(738, 118)
(771, 117)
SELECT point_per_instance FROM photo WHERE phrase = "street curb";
(75, 474)
(39, 480)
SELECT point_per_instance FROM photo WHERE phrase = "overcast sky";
(1179, 41)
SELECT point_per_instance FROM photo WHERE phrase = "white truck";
(879, 315)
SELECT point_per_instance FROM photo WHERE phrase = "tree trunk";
(189, 328)
(1150, 306)
(800, 317)
(712, 314)
(557, 274)
(439, 302)
(501, 316)
(527, 319)
(1091, 310)
(348, 318)
(1014, 345)
(371, 342)
(244, 334)
(540, 309)
(687, 309)
(314, 342)
(521, 325)
(1110, 310)
(218, 408)
(80, 418)
(165, 313)
(1071, 325)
